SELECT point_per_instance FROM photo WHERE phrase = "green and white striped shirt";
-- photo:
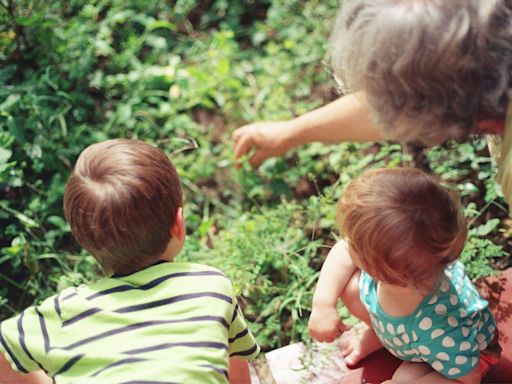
(169, 323)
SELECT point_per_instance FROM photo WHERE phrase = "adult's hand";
(267, 138)
(345, 119)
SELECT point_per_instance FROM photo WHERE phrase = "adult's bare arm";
(345, 119)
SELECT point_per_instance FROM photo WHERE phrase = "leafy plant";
(183, 75)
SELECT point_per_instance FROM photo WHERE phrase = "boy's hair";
(121, 201)
(401, 225)
(431, 69)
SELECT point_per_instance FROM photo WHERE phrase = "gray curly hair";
(431, 69)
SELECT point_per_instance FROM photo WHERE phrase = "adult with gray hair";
(414, 71)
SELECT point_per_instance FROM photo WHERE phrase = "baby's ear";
(178, 229)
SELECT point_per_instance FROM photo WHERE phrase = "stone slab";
(321, 363)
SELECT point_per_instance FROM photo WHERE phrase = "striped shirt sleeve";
(241, 341)
(25, 338)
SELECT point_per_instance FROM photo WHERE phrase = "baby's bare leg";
(423, 373)
(407, 372)
(360, 340)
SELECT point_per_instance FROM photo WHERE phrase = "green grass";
(183, 77)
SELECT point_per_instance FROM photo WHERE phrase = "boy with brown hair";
(153, 320)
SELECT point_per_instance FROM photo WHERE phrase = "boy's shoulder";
(179, 269)
(200, 274)
(162, 275)
(195, 267)
(49, 308)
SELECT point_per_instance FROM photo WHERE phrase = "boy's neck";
(173, 249)
(167, 257)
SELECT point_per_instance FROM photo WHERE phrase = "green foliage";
(479, 249)
(183, 75)
(267, 256)
(476, 256)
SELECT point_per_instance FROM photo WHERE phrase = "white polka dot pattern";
(425, 324)
(437, 365)
(452, 321)
(440, 309)
(448, 342)
(424, 350)
(447, 330)
(436, 333)
(464, 346)
(443, 356)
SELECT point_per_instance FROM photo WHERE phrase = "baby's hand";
(325, 324)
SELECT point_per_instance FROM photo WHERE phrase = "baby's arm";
(324, 322)
(10, 376)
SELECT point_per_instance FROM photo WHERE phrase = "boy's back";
(167, 323)
(153, 321)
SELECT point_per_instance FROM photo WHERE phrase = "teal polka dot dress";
(448, 329)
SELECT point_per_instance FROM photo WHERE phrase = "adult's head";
(121, 201)
(431, 69)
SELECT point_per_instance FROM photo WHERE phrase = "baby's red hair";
(401, 225)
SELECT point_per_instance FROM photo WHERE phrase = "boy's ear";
(178, 229)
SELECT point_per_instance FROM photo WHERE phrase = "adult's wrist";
(296, 132)
(289, 135)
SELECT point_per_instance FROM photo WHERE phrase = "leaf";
(157, 42)
(485, 229)
(224, 66)
(161, 24)
(7, 72)
(5, 155)
(10, 101)
(103, 48)
(25, 220)
(59, 222)
(280, 187)
(30, 20)
(124, 112)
